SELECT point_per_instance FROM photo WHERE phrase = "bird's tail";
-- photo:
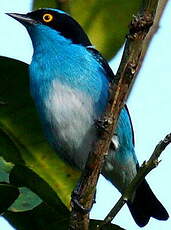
(146, 205)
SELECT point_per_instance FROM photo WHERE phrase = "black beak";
(22, 18)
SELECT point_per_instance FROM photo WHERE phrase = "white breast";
(71, 116)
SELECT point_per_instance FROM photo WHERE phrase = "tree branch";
(153, 29)
(142, 172)
(83, 195)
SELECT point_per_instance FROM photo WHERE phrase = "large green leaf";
(106, 21)
(22, 141)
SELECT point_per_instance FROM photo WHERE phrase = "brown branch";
(153, 29)
(83, 195)
(160, 9)
(143, 171)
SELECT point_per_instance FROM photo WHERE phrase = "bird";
(70, 83)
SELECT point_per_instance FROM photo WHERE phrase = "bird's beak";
(22, 18)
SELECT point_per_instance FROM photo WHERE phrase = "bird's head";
(53, 19)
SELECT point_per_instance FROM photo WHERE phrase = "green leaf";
(27, 200)
(22, 134)
(8, 194)
(22, 176)
(5, 168)
(105, 21)
(10, 152)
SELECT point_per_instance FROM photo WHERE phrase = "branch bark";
(135, 47)
(153, 29)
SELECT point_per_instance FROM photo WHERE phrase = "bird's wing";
(109, 73)
(133, 138)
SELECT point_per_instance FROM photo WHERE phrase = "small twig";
(133, 54)
(142, 172)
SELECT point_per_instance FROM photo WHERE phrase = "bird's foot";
(77, 205)
(102, 124)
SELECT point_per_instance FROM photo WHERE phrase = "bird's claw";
(75, 203)
(101, 124)
(80, 206)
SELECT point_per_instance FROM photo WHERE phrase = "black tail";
(146, 205)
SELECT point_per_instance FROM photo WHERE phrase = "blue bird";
(69, 82)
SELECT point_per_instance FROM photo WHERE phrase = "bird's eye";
(47, 17)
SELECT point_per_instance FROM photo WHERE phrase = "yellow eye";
(47, 17)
